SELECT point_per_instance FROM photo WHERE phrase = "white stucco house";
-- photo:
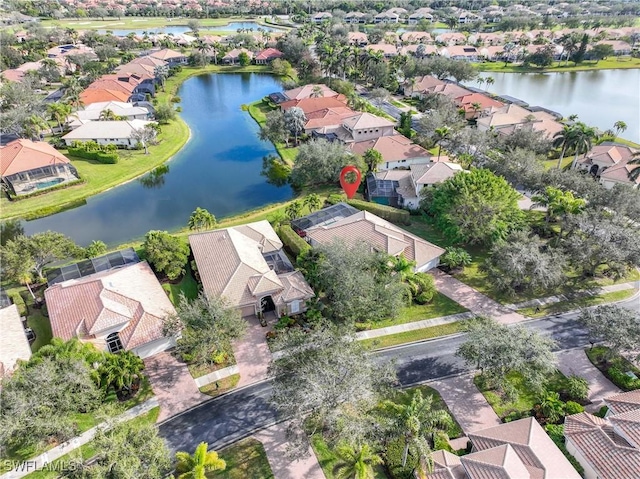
(117, 133)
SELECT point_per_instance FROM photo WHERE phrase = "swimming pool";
(48, 184)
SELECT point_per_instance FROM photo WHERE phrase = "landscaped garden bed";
(619, 370)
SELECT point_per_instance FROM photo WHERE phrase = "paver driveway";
(173, 385)
(252, 353)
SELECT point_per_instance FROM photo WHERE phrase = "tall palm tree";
(356, 462)
(294, 210)
(201, 219)
(563, 139)
(582, 140)
(620, 127)
(107, 115)
(33, 127)
(59, 112)
(312, 201)
(441, 134)
(489, 81)
(196, 466)
(415, 423)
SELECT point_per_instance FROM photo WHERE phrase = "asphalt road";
(231, 417)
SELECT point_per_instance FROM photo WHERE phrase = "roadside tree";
(617, 327)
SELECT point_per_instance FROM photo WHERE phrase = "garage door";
(155, 347)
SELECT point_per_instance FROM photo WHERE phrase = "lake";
(178, 29)
(598, 97)
(218, 169)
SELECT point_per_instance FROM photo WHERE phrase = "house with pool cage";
(29, 166)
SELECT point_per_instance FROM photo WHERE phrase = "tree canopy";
(167, 254)
(319, 162)
(617, 327)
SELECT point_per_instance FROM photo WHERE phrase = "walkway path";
(252, 354)
(41, 461)
(473, 300)
(274, 441)
(216, 375)
(173, 385)
(401, 328)
(575, 361)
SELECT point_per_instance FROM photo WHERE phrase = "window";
(113, 343)
(295, 307)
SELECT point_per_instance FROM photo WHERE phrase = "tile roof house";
(172, 57)
(354, 17)
(107, 132)
(233, 56)
(511, 117)
(267, 56)
(607, 448)
(610, 162)
(422, 86)
(27, 166)
(396, 150)
(381, 235)
(310, 91)
(95, 95)
(313, 104)
(515, 450)
(387, 49)
(359, 39)
(246, 265)
(92, 112)
(13, 341)
(365, 126)
(122, 308)
(321, 17)
(477, 104)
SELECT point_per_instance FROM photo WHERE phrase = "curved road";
(231, 417)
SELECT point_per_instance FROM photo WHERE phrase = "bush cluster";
(388, 213)
(93, 151)
(623, 380)
(292, 241)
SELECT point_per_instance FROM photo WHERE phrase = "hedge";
(385, 212)
(100, 156)
(292, 240)
(19, 301)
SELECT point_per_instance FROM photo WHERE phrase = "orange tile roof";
(112, 84)
(24, 155)
(310, 105)
(95, 95)
(467, 101)
(268, 54)
(391, 147)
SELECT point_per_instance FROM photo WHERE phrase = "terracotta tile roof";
(451, 90)
(467, 101)
(295, 287)
(427, 83)
(112, 84)
(532, 445)
(499, 462)
(306, 91)
(235, 53)
(385, 48)
(608, 154)
(380, 234)
(628, 426)
(24, 155)
(391, 147)
(95, 95)
(328, 117)
(166, 54)
(605, 451)
(435, 172)
(268, 54)
(311, 105)
(129, 298)
(624, 402)
(13, 341)
(366, 120)
(446, 466)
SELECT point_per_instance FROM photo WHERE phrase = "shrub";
(602, 412)
(292, 241)
(455, 258)
(92, 151)
(424, 297)
(515, 415)
(393, 456)
(18, 300)
(176, 99)
(335, 198)
(556, 433)
(622, 380)
(572, 408)
(385, 212)
(577, 388)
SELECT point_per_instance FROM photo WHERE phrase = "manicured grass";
(422, 227)
(138, 23)
(581, 302)
(187, 286)
(438, 307)
(41, 327)
(199, 370)
(258, 111)
(100, 177)
(89, 450)
(223, 385)
(417, 335)
(245, 459)
(552, 164)
(614, 63)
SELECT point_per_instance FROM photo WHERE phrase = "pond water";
(218, 169)
(178, 29)
(598, 97)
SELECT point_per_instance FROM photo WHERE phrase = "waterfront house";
(267, 55)
(424, 13)
(397, 151)
(14, 345)
(610, 163)
(310, 91)
(233, 56)
(99, 95)
(247, 266)
(386, 17)
(172, 57)
(507, 119)
(27, 166)
(117, 133)
(93, 112)
(354, 17)
(477, 104)
(120, 308)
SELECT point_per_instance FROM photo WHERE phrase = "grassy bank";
(614, 63)
(258, 111)
(582, 302)
(139, 23)
(416, 335)
(244, 459)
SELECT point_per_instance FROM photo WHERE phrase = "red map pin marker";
(350, 188)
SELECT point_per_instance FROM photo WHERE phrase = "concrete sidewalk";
(473, 300)
(274, 441)
(216, 375)
(401, 328)
(41, 461)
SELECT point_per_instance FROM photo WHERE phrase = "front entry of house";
(267, 304)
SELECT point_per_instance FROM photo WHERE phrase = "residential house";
(451, 38)
(321, 17)
(172, 57)
(62, 51)
(141, 85)
(386, 17)
(461, 52)
(354, 17)
(27, 166)
(610, 162)
(476, 105)
(516, 450)
(267, 55)
(100, 95)
(387, 49)
(467, 17)
(511, 117)
(420, 50)
(422, 86)
(14, 345)
(117, 133)
(310, 91)
(365, 126)
(607, 448)
(340, 222)
(402, 188)
(424, 13)
(415, 37)
(397, 151)
(18, 73)
(233, 56)
(247, 266)
(119, 308)
(452, 90)
(94, 111)
(313, 104)
(619, 47)
(325, 123)
(115, 84)
(358, 39)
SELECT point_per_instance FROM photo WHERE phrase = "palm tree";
(417, 421)
(59, 112)
(317, 92)
(121, 370)
(72, 90)
(480, 81)
(563, 139)
(294, 210)
(313, 202)
(620, 127)
(33, 126)
(489, 81)
(441, 134)
(582, 140)
(201, 219)
(196, 466)
(107, 115)
(356, 462)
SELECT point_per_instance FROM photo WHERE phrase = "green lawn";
(422, 227)
(245, 459)
(581, 302)
(223, 385)
(416, 335)
(187, 286)
(88, 450)
(438, 307)
(137, 23)
(607, 64)
(258, 111)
